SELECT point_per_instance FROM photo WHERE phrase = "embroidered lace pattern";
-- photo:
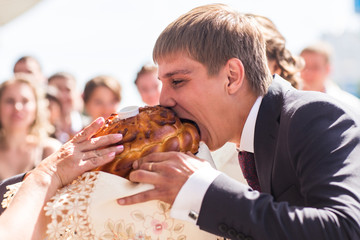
(68, 210)
(158, 225)
(9, 195)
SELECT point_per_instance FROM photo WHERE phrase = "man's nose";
(166, 99)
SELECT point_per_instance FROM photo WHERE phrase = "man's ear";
(236, 75)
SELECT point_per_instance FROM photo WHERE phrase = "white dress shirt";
(187, 204)
(226, 160)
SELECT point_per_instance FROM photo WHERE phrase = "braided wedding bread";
(154, 129)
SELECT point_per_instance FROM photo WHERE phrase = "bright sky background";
(115, 37)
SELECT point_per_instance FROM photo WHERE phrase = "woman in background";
(24, 139)
(280, 59)
(102, 96)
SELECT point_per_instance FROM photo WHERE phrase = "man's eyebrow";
(181, 71)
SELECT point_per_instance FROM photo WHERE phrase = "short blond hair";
(145, 69)
(322, 48)
(213, 34)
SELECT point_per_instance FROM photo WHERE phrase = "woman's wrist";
(45, 175)
(42, 182)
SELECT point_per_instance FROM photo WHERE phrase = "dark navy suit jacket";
(307, 156)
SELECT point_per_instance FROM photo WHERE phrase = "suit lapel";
(266, 131)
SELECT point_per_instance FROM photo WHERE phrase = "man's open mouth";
(183, 120)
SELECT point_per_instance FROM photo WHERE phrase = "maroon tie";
(247, 164)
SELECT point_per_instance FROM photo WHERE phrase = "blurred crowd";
(38, 113)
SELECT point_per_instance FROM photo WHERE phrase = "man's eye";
(176, 82)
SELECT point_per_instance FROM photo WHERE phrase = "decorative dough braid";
(154, 129)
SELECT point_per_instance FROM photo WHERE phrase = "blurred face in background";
(101, 103)
(31, 67)
(315, 72)
(55, 112)
(17, 107)
(66, 93)
(149, 88)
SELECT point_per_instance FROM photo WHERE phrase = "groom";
(300, 150)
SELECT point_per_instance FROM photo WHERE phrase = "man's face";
(315, 72)
(66, 92)
(30, 67)
(193, 94)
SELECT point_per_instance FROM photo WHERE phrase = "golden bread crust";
(154, 129)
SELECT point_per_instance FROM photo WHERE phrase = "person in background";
(71, 105)
(30, 65)
(102, 96)
(316, 74)
(280, 60)
(24, 128)
(300, 149)
(148, 84)
(75, 157)
(55, 110)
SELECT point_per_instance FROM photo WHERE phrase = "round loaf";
(154, 129)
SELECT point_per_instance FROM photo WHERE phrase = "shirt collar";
(247, 135)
